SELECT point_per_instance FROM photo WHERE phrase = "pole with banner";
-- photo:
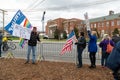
(87, 21)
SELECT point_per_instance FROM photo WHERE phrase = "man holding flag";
(32, 45)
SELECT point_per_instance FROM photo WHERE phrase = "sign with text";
(87, 21)
(21, 31)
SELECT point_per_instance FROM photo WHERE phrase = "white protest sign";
(21, 31)
(87, 21)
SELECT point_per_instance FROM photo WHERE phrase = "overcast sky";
(33, 9)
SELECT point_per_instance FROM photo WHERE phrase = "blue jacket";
(92, 44)
(113, 61)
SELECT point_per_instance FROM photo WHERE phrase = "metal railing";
(51, 52)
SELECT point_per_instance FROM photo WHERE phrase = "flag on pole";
(69, 43)
(43, 16)
(20, 19)
(17, 19)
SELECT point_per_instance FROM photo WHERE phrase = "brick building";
(63, 25)
(104, 24)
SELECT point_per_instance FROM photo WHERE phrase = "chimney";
(111, 12)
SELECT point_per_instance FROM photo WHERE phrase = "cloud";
(33, 9)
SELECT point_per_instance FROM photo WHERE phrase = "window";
(102, 24)
(107, 23)
(95, 25)
(118, 22)
(91, 26)
(99, 24)
(112, 23)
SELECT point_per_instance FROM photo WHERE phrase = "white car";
(45, 37)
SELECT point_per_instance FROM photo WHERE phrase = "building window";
(118, 22)
(91, 26)
(99, 24)
(107, 24)
(112, 23)
(94, 25)
(102, 24)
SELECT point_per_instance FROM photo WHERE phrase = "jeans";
(106, 57)
(80, 50)
(33, 48)
(103, 58)
(92, 56)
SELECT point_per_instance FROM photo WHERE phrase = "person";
(34, 37)
(1, 36)
(92, 48)
(113, 61)
(103, 44)
(115, 38)
(81, 44)
(5, 43)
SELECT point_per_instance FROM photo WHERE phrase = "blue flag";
(17, 19)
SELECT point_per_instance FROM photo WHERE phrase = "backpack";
(109, 48)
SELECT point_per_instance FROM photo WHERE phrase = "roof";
(109, 17)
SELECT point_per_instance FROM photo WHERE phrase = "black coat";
(34, 37)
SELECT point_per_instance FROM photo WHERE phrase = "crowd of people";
(109, 60)
(110, 51)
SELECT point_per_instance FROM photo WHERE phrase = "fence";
(51, 52)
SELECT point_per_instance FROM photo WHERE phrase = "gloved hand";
(76, 43)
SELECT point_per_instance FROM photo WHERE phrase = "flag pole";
(43, 21)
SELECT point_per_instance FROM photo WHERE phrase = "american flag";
(69, 43)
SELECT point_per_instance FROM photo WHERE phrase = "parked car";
(45, 37)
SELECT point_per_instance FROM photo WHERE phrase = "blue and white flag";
(17, 19)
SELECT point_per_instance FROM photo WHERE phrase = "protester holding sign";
(92, 44)
(92, 48)
(34, 37)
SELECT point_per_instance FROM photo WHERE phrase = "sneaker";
(26, 62)
(92, 66)
(33, 62)
(103, 66)
(79, 66)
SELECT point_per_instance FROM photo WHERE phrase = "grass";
(49, 40)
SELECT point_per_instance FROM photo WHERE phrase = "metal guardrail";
(51, 52)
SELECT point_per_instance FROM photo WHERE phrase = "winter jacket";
(113, 61)
(92, 44)
(81, 42)
(34, 37)
(103, 44)
(115, 39)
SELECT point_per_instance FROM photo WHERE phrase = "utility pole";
(3, 12)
